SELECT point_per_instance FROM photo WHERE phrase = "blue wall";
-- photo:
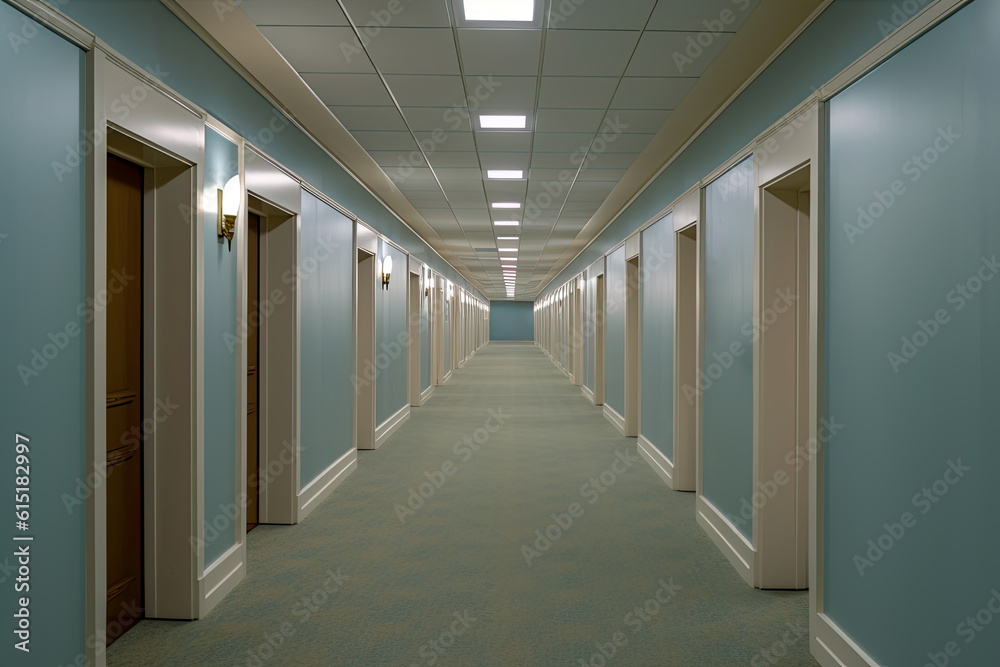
(912, 368)
(657, 277)
(615, 288)
(42, 338)
(221, 164)
(512, 320)
(727, 396)
(390, 338)
(326, 270)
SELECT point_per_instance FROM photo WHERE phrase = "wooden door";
(126, 430)
(253, 374)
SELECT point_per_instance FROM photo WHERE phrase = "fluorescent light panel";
(506, 204)
(508, 238)
(499, 10)
(499, 122)
(507, 249)
(504, 174)
(506, 223)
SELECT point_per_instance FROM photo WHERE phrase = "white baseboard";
(832, 648)
(389, 426)
(614, 418)
(663, 466)
(589, 394)
(221, 577)
(426, 394)
(730, 541)
(321, 487)
(446, 377)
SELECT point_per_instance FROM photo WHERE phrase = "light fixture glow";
(386, 271)
(504, 173)
(230, 197)
(506, 204)
(498, 122)
(506, 223)
(507, 249)
(499, 10)
(508, 238)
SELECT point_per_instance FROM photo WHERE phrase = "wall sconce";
(386, 271)
(229, 207)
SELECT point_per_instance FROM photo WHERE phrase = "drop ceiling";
(596, 81)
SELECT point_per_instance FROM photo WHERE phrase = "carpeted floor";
(632, 576)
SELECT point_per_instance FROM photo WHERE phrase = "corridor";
(429, 553)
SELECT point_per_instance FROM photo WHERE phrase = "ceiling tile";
(431, 142)
(705, 15)
(630, 15)
(294, 12)
(572, 142)
(469, 199)
(426, 91)
(576, 92)
(459, 159)
(348, 89)
(588, 52)
(638, 120)
(493, 160)
(414, 51)
(620, 143)
(676, 53)
(369, 118)
(465, 175)
(552, 160)
(397, 159)
(612, 175)
(318, 49)
(568, 120)
(503, 142)
(651, 93)
(412, 176)
(506, 52)
(385, 141)
(501, 93)
(435, 118)
(611, 160)
(372, 15)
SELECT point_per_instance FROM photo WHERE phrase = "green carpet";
(451, 585)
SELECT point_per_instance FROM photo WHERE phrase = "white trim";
(389, 426)
(589, 393)
(663, 466)
(615, 418)
(447, 376)
(56, 21)
(730, 541)
(831, 647)
(221, 577)
(426, 394)
(317, 490)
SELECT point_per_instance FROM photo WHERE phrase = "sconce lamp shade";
(230, 197)
(386, 271)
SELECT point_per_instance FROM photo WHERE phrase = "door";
(365, 394)
(252, 351)
(125, 427)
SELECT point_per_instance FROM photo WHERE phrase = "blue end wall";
(512, 320)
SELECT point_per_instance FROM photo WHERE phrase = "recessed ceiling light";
(502, 122)
(507, 174)
(507, 249)
(499, 10)
(508, 238)
(506, 223)
(506, 204)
